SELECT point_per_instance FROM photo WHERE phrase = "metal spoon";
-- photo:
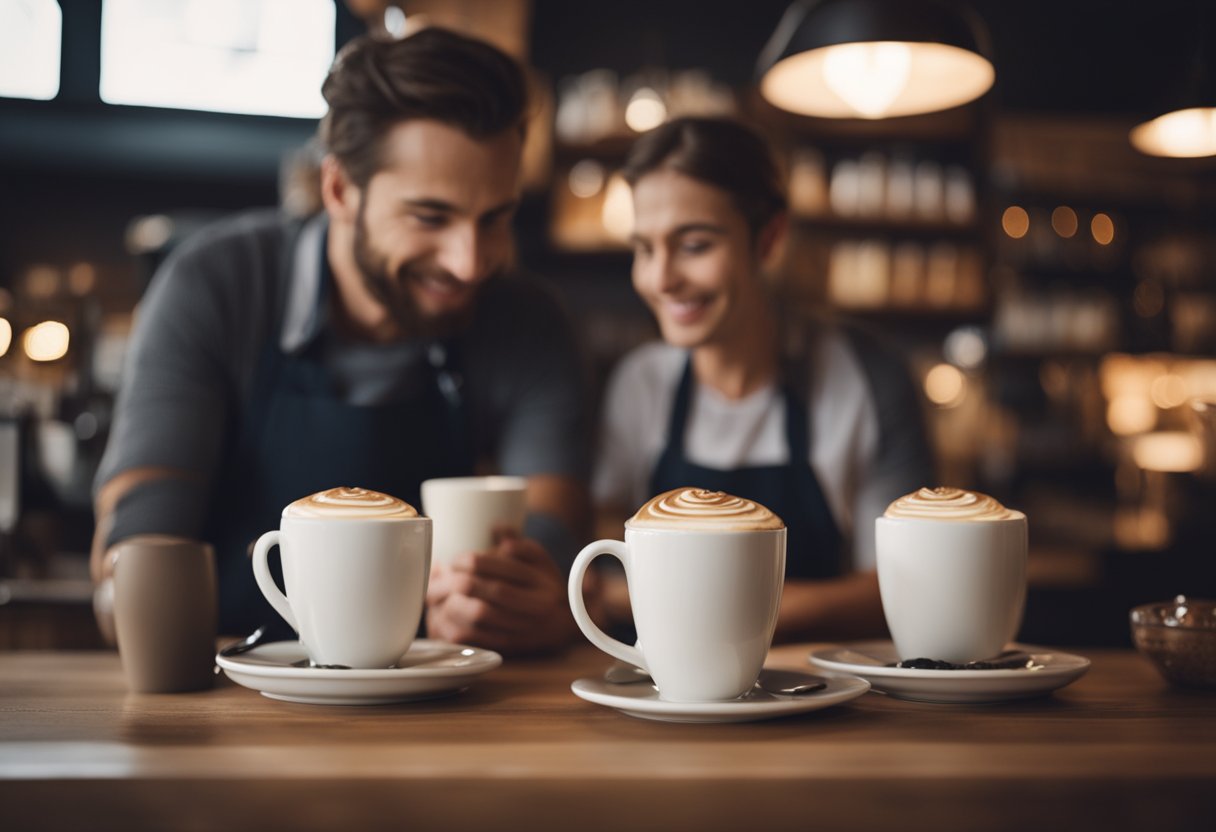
(256, 637)
(309, 663)
(248, 643)
(789, 682)
(779, 682)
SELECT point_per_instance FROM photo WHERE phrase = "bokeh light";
(945, 385)
(617, 213)
(1064, 221)
(1103, 229)
(47, 341)
(1168, 451)
(645, 110)
(1015, 221)
(586, 178)
(1129, 414)
(965, 347)
(1169, 390)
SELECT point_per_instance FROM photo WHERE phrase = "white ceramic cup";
(952, 590)
(704, 605)
(465, 512)
(355, 586)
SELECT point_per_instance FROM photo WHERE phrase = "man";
(376, 345)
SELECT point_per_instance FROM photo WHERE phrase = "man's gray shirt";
(222, 296)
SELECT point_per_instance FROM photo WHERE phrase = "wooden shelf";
(878, 226)
(610, 149)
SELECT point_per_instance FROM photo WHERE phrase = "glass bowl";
(1179, 637)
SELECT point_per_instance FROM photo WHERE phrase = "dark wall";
(75, 171)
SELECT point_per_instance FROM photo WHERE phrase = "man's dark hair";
(718, 152)
(376, 83)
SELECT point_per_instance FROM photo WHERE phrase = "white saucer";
(430, 668)
(869, 660)
(642, 701)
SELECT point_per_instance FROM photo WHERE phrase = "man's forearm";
(182, 488)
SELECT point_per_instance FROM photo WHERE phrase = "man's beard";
(393, 293)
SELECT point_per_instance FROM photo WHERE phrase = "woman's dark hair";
(376, 83)
(718, 152)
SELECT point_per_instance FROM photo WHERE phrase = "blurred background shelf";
(1053, 290)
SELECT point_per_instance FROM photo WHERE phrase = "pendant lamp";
(1182, 134)
(875, 58)
(1188, 130)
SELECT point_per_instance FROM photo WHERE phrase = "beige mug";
(165, 613)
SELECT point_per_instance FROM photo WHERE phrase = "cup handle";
(611, 646)
(261, 571)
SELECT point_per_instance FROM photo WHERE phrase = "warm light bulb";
(869, 77)
(1015, 221)
(1128, 414)
(945, 386)
(1185, 134)
(47, 341)
(6, 335)
(1064, 221)
(1168, 451)
(1103, 229)
(645, 110)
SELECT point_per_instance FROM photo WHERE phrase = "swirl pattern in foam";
(350, 504)
(950, 504)
(696, 508)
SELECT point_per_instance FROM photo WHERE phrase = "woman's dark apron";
(813, 542)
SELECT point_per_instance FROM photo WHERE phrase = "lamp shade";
(875, 58)
(1188, 133)
(1186, 128)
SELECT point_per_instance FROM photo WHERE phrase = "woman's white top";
(867, 439)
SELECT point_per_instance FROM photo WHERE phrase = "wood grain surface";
(1116, 749)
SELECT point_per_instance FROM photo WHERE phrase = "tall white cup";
(355, 586)
(952, 590)
(466, 511)
(704, 604)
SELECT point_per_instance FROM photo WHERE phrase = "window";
(30, 41)
(261, 57)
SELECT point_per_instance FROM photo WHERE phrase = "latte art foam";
(695, 508)
(950, 504)
(350, 504)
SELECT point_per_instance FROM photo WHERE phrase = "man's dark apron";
(297, 437)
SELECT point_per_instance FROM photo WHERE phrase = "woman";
(813, 421)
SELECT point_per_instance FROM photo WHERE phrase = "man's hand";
(511, 599)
